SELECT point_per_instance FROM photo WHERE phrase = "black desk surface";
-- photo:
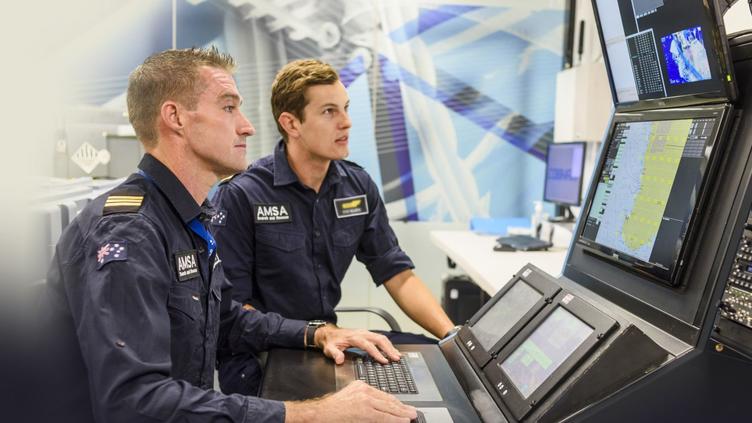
(293, 375)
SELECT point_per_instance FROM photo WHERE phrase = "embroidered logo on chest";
(351, 206)
(219, 218)
(272, 213)
(186, 265)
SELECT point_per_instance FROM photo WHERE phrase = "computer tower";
(462, 298)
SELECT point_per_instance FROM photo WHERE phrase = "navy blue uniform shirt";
(139, 308)
(286, 248)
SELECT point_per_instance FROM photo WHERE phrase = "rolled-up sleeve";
(379, 249)
(123, 328)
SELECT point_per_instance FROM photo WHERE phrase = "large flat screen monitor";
(649, 188)
(664, 53)
(541, 356)
(506, 313)
(563, 182)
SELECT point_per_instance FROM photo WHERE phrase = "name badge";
(186, 265)
(351, 206)
(272, 213)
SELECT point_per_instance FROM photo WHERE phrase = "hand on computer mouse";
(333, 341)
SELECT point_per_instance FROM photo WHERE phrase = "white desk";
(492, 269)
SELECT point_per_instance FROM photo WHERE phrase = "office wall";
(738, 17)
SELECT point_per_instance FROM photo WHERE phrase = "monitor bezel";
(645, 269)
(520, 406)
(728, 93)
(582, 176)
(470, 342)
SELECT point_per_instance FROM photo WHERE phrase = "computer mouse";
(421, 418)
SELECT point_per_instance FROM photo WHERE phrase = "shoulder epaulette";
(353, 164)
(227, 179)
(123, 201)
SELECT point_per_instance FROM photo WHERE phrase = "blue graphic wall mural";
(469, 93)
(452, 104)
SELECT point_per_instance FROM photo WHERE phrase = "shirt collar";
(174, 190)
(284, 175)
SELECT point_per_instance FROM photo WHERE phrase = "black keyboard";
(522, 242)
(394, 377)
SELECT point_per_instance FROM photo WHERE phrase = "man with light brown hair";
(136, 297)
(293, 221)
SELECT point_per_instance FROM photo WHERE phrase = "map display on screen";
(661, 49)
(686, 57)
(507, 311)
(646, 192)
(545, 350)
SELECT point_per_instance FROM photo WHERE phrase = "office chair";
(390, 320)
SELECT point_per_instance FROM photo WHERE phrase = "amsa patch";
(351, 206)
(186, 265)
(272, 213)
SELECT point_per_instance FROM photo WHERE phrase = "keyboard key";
(394, 377)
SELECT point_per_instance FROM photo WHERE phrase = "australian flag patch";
(111, 251)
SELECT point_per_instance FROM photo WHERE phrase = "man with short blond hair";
(174, 74)
(136, 296)
(290, 225)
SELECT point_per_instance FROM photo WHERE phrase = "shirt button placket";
(317, 248)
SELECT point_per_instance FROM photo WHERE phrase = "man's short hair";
(290, 85)
(169, 75)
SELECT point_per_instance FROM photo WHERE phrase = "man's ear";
(290, 124)
(169, 113)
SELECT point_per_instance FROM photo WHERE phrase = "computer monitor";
(546, 351)
(664, 53)
(505, 314)
(563, 183)
(649, 188)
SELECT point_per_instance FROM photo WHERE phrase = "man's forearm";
(414, 298)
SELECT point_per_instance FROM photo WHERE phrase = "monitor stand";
(562, 214)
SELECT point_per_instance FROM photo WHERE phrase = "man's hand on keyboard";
(333, 341)
(357, 402)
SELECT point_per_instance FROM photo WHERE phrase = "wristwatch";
(310, 332)
(452, 331)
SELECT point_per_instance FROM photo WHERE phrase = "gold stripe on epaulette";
(136, 205)
(122, 204)
(117, 200)
(125, 197)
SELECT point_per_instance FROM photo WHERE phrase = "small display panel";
(545, 350)
(660, 49)
(564, 166)
(646, 192)
(510, 308)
